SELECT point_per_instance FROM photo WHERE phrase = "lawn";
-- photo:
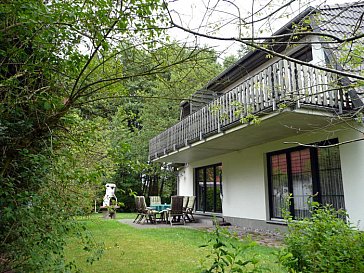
(128, 249)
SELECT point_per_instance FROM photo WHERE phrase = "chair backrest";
(143, 205)
(140, 204)
(185, 202)
(176, 204)
(137, 203)
(191, 202)
(155, 200)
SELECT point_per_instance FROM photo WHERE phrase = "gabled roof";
(340, 20)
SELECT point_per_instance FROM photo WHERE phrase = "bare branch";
(272, 52)
(324, 146)
(270, 14)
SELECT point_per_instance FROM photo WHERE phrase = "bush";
(228, 256)
(323, 243)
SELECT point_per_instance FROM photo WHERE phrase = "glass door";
(208, 186)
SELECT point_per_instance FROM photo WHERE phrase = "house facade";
(269, 127)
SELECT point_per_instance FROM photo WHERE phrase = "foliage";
(229, 61)
(155, 108)
(238, 111)
(35, 222)
(53, 57)
(227, 256)
(326, 242)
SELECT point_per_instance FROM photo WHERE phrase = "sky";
(220, 18)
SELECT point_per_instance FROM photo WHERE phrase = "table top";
(160, 207)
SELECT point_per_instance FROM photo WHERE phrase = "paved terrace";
(273, 239)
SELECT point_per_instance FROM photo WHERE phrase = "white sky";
(219, 18)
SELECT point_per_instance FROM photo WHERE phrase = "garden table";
(161, 208)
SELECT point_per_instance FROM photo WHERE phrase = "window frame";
(315, 173)
(196, 174)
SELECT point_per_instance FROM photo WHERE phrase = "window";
(304, 54)
(185, 109)
(303, 172)
(208, 184)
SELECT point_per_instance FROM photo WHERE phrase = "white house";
(243, 170)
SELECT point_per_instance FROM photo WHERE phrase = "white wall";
(352, 164)
(245, 177)
(185, 181)
(244, 184)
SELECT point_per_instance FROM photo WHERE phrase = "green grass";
(129, 249)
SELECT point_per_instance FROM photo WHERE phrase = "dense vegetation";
(83, 86)
(80, 82)
(326, 242)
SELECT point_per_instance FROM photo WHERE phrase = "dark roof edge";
(250, 54)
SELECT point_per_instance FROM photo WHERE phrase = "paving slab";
(267, 238)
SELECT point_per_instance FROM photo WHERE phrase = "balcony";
(282, 85)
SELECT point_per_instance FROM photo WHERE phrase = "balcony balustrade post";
(341, 101)
(280, 82)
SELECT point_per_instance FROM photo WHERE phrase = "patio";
(202, 222)
(265, 238)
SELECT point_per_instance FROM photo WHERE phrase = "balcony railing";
(281, 84)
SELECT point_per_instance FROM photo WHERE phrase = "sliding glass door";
(208, 186)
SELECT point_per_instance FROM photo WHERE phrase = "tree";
(254, 27)
(254, 30)
(71, 72)
(53, 57)
(154, 107)
(229, 60)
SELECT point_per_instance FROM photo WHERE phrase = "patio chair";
(189, 208)
(138, 209)
(176, 210)
(154, 200)
(144, 213)
(185, 202)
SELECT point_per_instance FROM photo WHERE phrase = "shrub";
(326, 242)
(227, 255)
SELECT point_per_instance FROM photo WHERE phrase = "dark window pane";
(200, 189)
(301, 182)
(219, 192)
(304, 54)
(308, 168)
(279, 181)
(331, 185)
(209, 188)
